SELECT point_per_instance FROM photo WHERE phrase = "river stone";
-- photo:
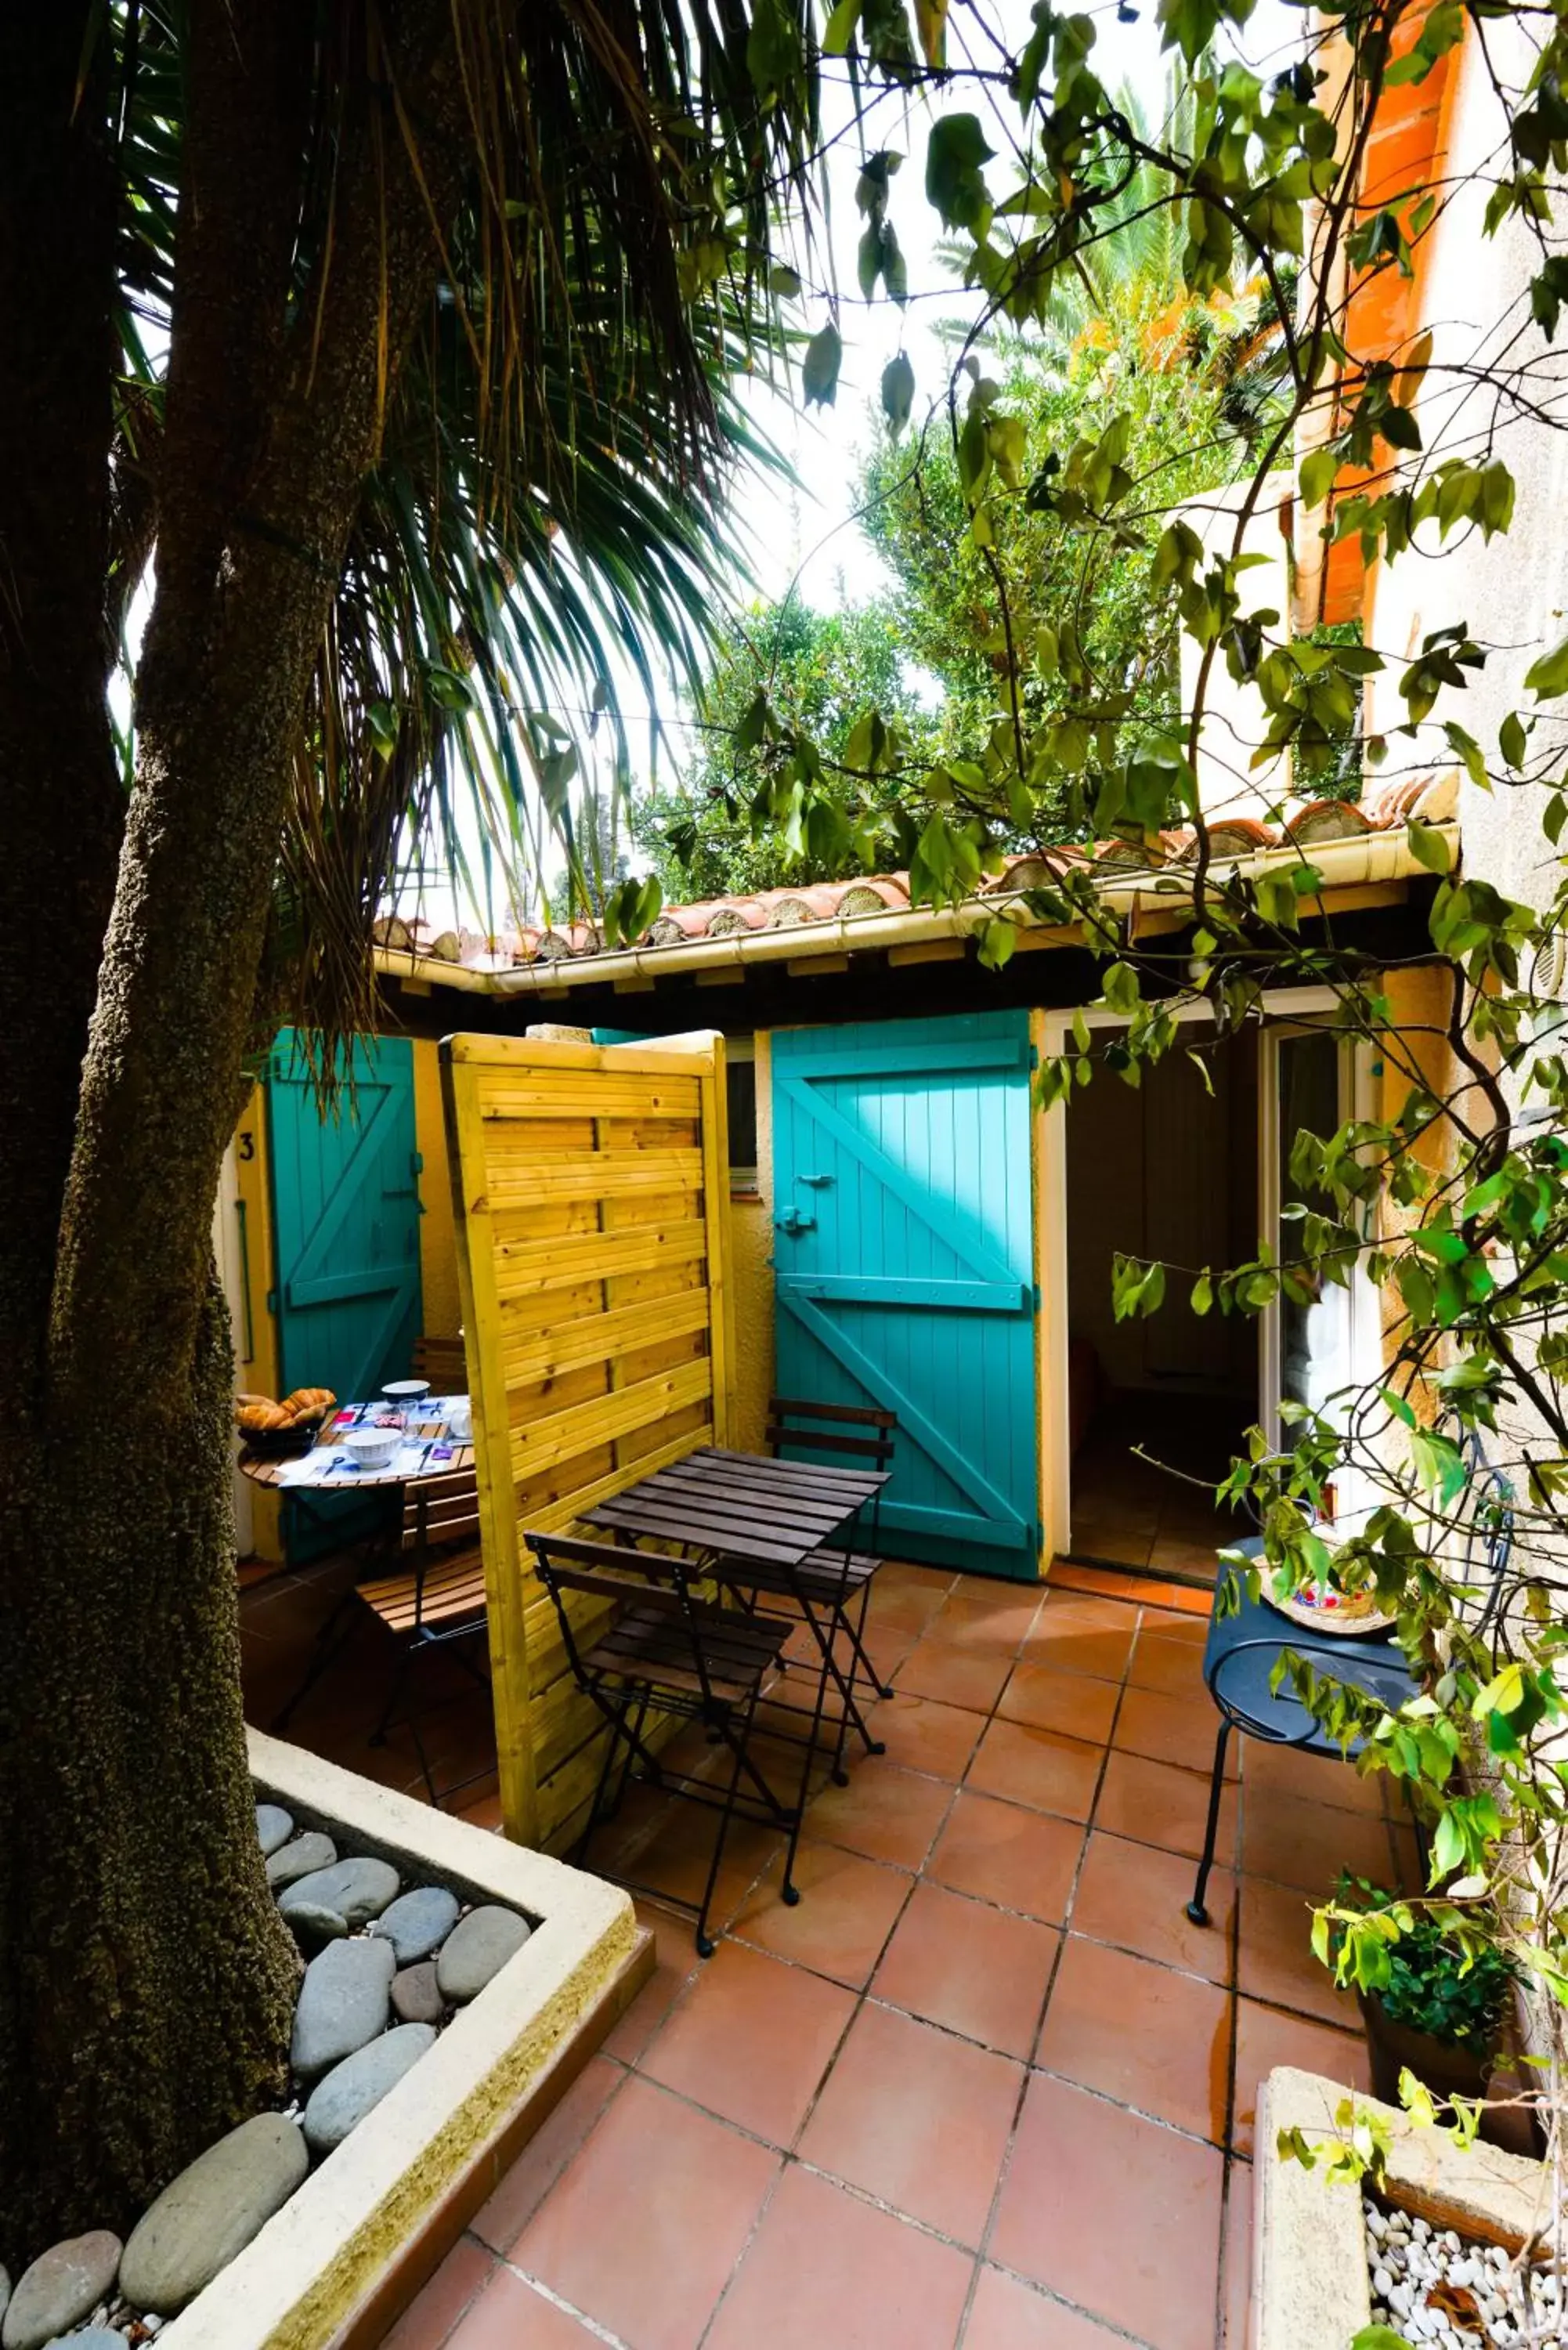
(64, 2284)
(415, 1996)
(357, 1889)
(478, 1947)
(211, 2211)
(89, 2337)
(306, 1854)
(5, 2290)
(274, 1827)
(419, 1922)
(343, 2002)
(340, 2103)
(310, 1924)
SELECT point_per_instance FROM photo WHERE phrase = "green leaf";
(997, 941)
(839, 30)
(819, 369)
(783, 281)
(1512, 740)
(1429, 847)
(954, 184)
(868, 259)
(897, 391)
(1548, 677)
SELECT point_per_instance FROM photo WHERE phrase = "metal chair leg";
(389, 1711)
(705, 1943)
(1196, 1909)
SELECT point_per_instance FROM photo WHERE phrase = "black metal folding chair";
(668, 1650)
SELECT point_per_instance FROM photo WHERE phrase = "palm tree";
(394, 337)
(1122, 282)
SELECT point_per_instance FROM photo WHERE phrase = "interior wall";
(1165, 1169)
(752, 1277)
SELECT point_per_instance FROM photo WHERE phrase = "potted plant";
(1433, 1998)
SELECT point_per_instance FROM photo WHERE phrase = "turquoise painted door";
(346, 1228)
(903, 1255)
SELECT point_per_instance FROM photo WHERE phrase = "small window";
(741, 1075)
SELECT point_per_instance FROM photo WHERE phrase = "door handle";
(792, 1220)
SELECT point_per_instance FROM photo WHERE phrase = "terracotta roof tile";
(1433, 797)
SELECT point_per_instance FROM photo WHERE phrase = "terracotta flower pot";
(1448, 2070)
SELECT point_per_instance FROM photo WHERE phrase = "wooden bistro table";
(427, 1450)
(755, 1522)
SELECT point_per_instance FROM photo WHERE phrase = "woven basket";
(1348, 1613)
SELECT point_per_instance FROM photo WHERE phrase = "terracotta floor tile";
(1038, 1767)
(1316, 1778)
(1236, 2260)
(1070, 1703)
(847, 1909)
(1083, 1636)
(1275, 1962)
(1135, 1897)
(969, 1966)
(828, 2273)
(1181, 1615)
(1174, 1730)
(992, 1616)
(886, 1813)
(751, 2040)
(429, 2317)
(1077, 2161)
(645, 2227)
(1020, 1860)
(675, 1961)
(923, 1736)
(1172, 1666)
(1007, 2314)
(954, 1676)
(509, 2315)
(918, 2119)
(904, 1574)
(674, 1859)
(1142, 2033)
(1303, 1843)
(1265, 2038)
(1154, 1802)
(522, 2188)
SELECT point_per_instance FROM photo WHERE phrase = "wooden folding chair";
(838, 1582)
(443, 1362)
(436, 1600)
(668, 1650)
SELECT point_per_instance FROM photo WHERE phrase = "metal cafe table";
(756, 1524)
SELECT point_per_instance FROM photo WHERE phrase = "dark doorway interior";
(1159, 1404)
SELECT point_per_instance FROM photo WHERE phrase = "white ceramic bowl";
(372, 1448)
(404, 1394)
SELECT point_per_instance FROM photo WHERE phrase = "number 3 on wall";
(247, 1144)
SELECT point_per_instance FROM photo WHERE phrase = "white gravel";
(1408, 2261)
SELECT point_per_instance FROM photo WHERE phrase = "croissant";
(259, 1413)
(305, 1402)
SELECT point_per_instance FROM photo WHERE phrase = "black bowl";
(283, 1443)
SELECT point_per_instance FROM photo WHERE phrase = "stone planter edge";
(323, 2260)
(1309, 2286)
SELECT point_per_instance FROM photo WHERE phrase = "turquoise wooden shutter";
(903, 1251)
(346, 1227)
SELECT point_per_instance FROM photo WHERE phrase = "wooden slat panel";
(596, 1337)
(531, 1268)
(594, 1182)
(546, 1441)
(598, 1176)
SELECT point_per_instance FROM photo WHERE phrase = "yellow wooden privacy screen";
(592, 1194)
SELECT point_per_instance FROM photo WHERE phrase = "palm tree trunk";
(145, 1979)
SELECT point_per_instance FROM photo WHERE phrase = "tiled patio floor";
(985, 2084)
